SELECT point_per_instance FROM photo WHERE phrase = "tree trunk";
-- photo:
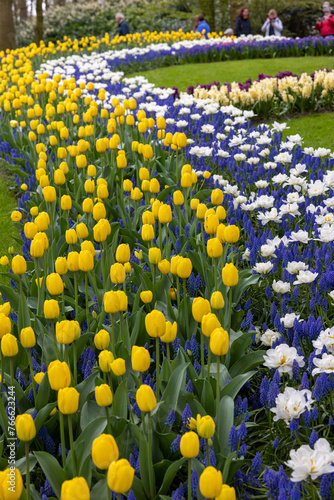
(7, 29)
(22, 10)
(39, 21)
(208, 9)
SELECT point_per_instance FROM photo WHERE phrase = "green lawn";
(229, 71)
(317, 129)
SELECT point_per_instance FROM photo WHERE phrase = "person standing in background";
(203, 26)
(123, 28)
(242, 24)
(325, 24)
(272, 25)
(196, 23)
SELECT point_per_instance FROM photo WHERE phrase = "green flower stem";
(128, 399)
(21, 297)
(108, 420)
(26, 445)
(121, 323)
(102, 265)
(87, 308)
(209, 363)
(215, 273)
(11, 366)
(186, 307)
(202, 355)
(75, 370)
(178, 293)
(180, 218)
(157, 369)
(202, 235)
(118, 496)
(76, 295)
(54, 338)
(2, 374)
(62, 438)
(227, 359)
(189, 478)
(70, 431)
(112, 319)
(186, 205)
(33, 382)
(153, 280)
(217, 394)
(149, 431)
(66, 353)
(63, 304)
(38, 287)
(168, 351)
(207, 452)
(160, 237)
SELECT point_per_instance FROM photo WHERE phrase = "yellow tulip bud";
(145, 398)
(104, 451)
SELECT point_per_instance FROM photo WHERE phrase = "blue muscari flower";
(325, 488)
(310, 361)
(186, 416)
(295, 492)
(242, 431)
(264, 388)
(269, 292)
(20, 378)
(176, 345)
(59, 450)
(256, 465)
(180, 492)
(31, 395)
(189, 387)
(233, 439)
(47, 490)
(320, 387)
(295, 370)
(177, 246)
(275, 443)
(247, 305)
(314, 413)
(131, 495)
(243, 450)
(294, 425)
(313, 438)
(194, 347)
(194, 482)
(197, 367)
(86, 362)
(175, 446)
(273, 392)
(305, 381)
(170, 418)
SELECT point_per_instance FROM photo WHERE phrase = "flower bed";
(282, 94)
(176, 262)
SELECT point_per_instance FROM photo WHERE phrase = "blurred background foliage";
(80, 18)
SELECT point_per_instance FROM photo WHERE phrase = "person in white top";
(272, 25)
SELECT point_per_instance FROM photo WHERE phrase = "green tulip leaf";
(170, 474)
(54, 473)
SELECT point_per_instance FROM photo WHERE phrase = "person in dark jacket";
(242, 24)
(325, 24)
(123, 28)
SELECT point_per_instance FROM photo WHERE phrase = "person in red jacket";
(325, 24)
